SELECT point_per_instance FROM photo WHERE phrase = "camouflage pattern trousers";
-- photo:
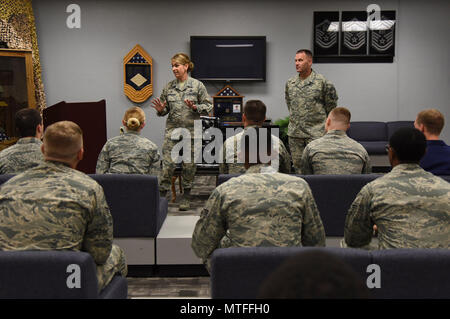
(115, 264)
(297, 146)
(188, 168)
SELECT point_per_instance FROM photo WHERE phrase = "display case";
(16, 89)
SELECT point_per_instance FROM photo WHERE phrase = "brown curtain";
(18, 30)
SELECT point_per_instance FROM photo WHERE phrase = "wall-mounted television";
(229, 58)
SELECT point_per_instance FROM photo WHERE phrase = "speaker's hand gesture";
(158, 105)
(191, 104)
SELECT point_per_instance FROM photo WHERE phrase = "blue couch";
(44, 275)
(137, 210)
(333, 195)
(134, 203)
(405, 273)
(138, 213)
(375, 135)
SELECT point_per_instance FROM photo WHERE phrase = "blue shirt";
(437, 158)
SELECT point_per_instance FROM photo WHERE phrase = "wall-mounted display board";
(354, 36)
(138, 75)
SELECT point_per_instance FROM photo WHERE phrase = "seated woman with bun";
(129, 153)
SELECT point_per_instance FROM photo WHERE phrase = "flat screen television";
(229, 58)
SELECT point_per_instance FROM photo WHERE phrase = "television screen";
(229, 58)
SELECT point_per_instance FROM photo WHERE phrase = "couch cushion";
(116, 289)
(334, 195)
(239, 272)
(394, 126)
(134, 202)
(43, 274)
(367, 131)
(375, 147)
(413, 273)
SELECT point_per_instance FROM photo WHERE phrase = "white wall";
(86, 64)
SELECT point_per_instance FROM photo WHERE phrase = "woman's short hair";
(183, 59)
(134, 117)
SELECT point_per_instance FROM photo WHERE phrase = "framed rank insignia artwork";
(138, 75)
(354, 37)
(326, 33)
(354, 33)
(382, 34)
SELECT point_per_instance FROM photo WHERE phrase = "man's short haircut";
(306, 51)
(255, 111)
(256, 145)
(432, 119)
(409, 144)
(341, 114)
(63, 140)
(26, 121)
(314, 274)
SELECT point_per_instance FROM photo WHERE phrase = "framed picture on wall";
(382, 34)
(326, 33)
(354, 36)
(354, 33)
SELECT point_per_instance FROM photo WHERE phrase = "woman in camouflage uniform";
(184, 100)
(129, 153)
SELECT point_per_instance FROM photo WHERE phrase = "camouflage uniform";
(181, 116)
(410, 207)
(54, 207)
(335, 153)
(232, 163)
(259, 209)
(128, 153)
(309, 102)
(25, 154)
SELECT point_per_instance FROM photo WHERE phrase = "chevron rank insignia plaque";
(138, 75)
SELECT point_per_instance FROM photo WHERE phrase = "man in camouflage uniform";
(184, 99)
(26, 153)
(409, 206)
(55, 207)
(335, 152)
(254, 116)
(260, 208)
(309, 98)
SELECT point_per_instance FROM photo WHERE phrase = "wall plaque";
(138, 75)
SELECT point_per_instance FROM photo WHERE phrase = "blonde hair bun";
(133, 123)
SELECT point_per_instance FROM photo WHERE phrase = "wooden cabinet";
(16, 88)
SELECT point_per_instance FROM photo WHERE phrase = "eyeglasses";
(387, 148)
